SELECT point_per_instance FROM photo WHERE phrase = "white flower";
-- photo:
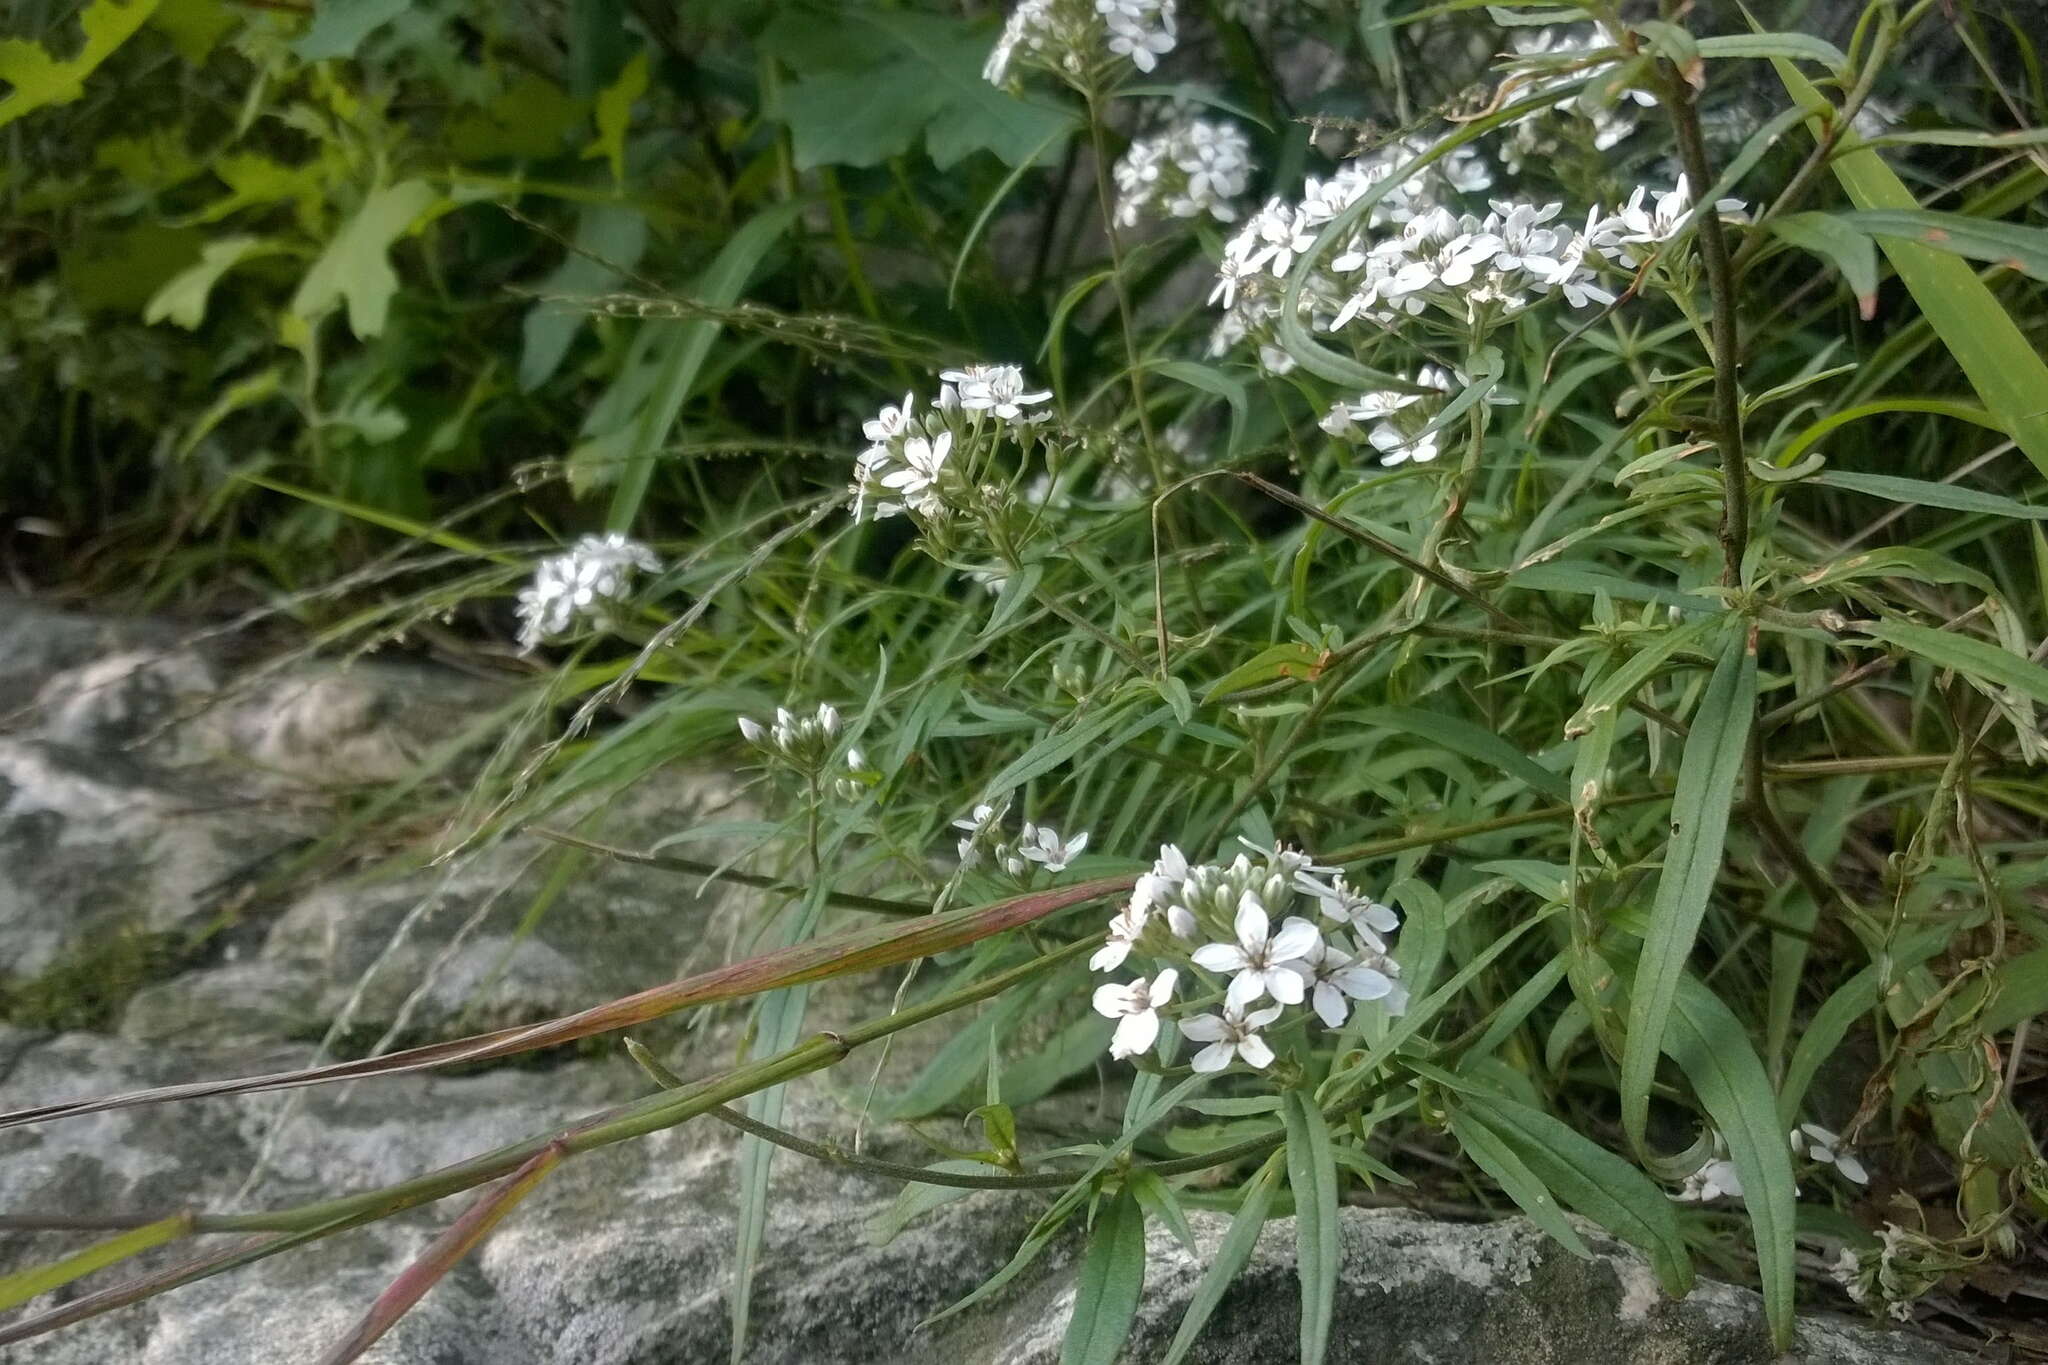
(1338, 901)
(1136, 1008)
(580, 585)
(1231, 1035)
(1124, 929)
(1334, 975)
(1634, 225)
(890, 422)
(1042, 844)
(1265, 963)
(1816, 1143)
(994, 388)
(922, 460)
(1715, 1179)
(1142, 30)
(1195, 166)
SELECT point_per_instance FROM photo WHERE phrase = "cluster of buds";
(805, 743)
(1324, 960)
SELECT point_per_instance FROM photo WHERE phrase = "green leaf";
(1596, 1182)
(1232, 1255)
(719, 286)
(2003, 366)
(1841, 245)
(1112, 1279)
(1288, 659)
(1898, 562)
(1209, 379)
(23, 1285)
(182, 299)
(1058, 746)
(1925, 493)
(1798, 47)
(929, 86)
(1463, 737)
(614, 114)
(1160, 1202)
(2013, 245)
(1707, 776)
(2020, 991)
(1312, 1176)
(1965, 654)
(915, 1200)
(1714, 1052)
(356, 266)
(1618, 688)
(193, 26)
(40, 79)
(339, 27)
(1494, 1155)
(609, 238)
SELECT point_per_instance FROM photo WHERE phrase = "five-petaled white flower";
(891, 422)
(1265, 963)
(1136, 1008)
(1230, 1035)
(1334, 974)
(1338, 901)
(1042, 844)
(922, 460)
(1816, 1143)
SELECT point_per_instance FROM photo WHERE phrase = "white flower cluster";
(1037, 846)
(580, 585)
(803, 742)
(1195, 166)
(1325, 965)
(1413, 258)
(1070, 37)
(1401, 427)
(1537, 137)
(906, 465)
(1716, 1178)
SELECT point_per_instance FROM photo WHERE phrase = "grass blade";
(442, 1256)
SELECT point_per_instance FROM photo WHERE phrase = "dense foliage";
(1499, 547)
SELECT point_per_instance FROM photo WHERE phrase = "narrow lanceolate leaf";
(442, 1256)
(1589, 1178)
(1717, 1057)
(1112, 1280)
(859, 950)
(23, 1285)
(1230, 1258)
(1707, 775)
(1312, 1176)
(1965, 654)
(2003, 367)
(1494, 1155)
